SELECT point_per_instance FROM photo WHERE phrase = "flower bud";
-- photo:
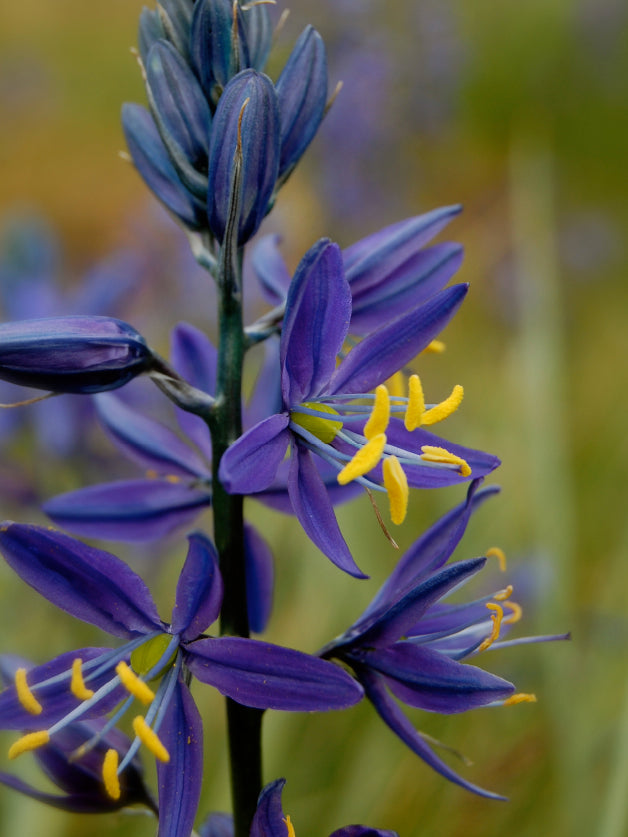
(79, 354)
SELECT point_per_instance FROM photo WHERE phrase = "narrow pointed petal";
(87, 583)
(428, 680)
(145, 441)
(199, 589)
(269, 820)
(270, 269)
(313, 508)
(194, 357)
(388, 349)
(155, 167)
(267, 676)
(302, 94)
(180, 779)
(318, 310)
(73, 802)
(128, 510)
(394, 718)
(79, 354)
(249, 465)
(266, 396)
(217, 825)
(260, 579)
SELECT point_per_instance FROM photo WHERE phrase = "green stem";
(244, 724)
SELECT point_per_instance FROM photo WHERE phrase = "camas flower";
(153, 666)
(323, 410)
(410, 642)
(269, 820)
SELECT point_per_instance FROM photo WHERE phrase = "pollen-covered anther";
(445, 408)
(497, 552)
(26, 698)
(396, 485)
(289, 826)
(134, 685)
(436, 347)
(503, 594)
(364, 460)
(30, 741)
(110, 774)
(515, 615)
(150, 739)
(496, 617)
(416, 404)
(380, 416)
(441, 456)
(520, 697)
(77, 684)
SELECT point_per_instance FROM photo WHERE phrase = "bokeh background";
(519, 111)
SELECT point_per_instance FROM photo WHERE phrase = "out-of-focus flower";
(152, 667)
(320, 414)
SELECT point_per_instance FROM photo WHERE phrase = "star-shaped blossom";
(270, 821)
(329, 410)
(411, 643)
(153, 666)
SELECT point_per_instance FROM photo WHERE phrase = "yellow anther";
(516, 614)
(431, 453)
(133, 684)
(24, 694)
(151, 474)
(496, 552)
(110, 774)
(289, 826)
(364, 460)
(503, 594)
(30, 741)
(496, 617)
(520, 697)
(436, 347)
(150, 739)
(445, 408)
(380, 416)
(416, 403)
(77, 685)
(396, 385)
(396, 485)
(173, 478)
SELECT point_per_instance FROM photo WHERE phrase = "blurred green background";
(520, 112)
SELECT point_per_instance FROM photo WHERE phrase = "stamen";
(503, 594)
(520, 697)
(110, 774)
(289, 826)
(173, 478)
(380, 416)
(364, 460)
(133, 684)
(380, 520)
(436, 347)
(496, 618)
(431, 453)
(150, 738)
(445, 408)
(30, 741)
(396, 484)
(496, 552)
(24, 694)
(416, 403)
(77, 685)
(516, 614)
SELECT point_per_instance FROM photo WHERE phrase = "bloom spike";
(77, 684)
(150, 739)
(24, 694)
(364, 460)
(396, 484)
(110, 774)
(445, 408)
(134, 685)
(431, 453)
(416, 403)
(380, 416)
(30, 741)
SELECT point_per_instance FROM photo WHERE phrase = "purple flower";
(79, 354)
(269, 820)
(320, 415)
(412, 643)
(388, 272)
(153, 666)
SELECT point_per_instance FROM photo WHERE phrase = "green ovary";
(323, 428)
(144, 658)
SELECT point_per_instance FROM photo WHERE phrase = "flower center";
(325, 429)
